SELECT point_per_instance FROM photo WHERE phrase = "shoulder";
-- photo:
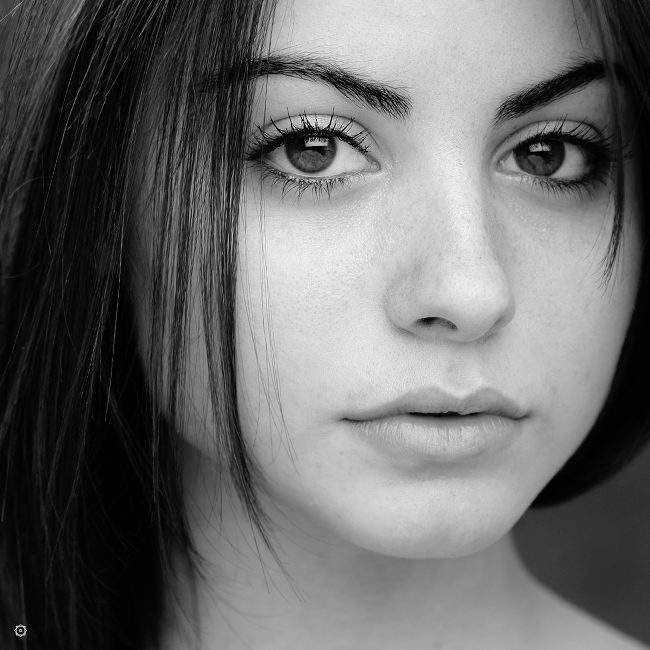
(569, 627)
(591, 633)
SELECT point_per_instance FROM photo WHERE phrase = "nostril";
(435, 320)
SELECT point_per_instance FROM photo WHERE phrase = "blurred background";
(594, 550)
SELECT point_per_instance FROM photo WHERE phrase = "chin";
(454, 529)
(437, 543)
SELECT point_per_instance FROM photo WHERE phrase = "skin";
(441, 265)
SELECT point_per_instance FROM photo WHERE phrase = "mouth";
(434, 402)
(444, 436)
(446, 414)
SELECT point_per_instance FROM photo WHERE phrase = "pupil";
(311, 155)
(542, 158)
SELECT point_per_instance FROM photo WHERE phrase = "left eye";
(317, 156)
(550, 158)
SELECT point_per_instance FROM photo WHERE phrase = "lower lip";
(441, 438)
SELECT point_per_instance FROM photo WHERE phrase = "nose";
(448, 281)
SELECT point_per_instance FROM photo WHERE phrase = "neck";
(325, 588)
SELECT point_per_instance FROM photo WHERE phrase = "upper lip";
(435, 401)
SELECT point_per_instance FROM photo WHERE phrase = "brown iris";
(311, 155)
(540, 158)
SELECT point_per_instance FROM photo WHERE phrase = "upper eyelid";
(555, 127)
(337, 126)
(550, 128)
(304, 117)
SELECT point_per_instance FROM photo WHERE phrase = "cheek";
(577, 324)
(288, 305)
(306, 283)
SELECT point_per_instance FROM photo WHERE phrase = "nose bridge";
(452, 212)
(450, 280)
(449, 213)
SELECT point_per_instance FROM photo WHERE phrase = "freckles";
(328, 300)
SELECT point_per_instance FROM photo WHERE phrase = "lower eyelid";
(586, 187)
(314, 180)
(318, 186)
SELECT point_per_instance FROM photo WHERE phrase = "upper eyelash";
(266, 142)
(556, 127)
(581, 135)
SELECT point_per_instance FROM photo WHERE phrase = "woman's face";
(419, 223)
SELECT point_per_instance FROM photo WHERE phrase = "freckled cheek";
(579, 347)
(310, 287)
(313, 299)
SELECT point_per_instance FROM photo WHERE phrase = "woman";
(304, 306)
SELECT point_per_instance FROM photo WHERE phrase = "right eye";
(317, 156)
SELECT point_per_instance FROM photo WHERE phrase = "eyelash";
(601, 151)
(266, 142)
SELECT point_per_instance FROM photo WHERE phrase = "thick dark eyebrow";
(396, 103)
(378, 96)
(552, 89)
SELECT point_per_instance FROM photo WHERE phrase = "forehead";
(440, 49)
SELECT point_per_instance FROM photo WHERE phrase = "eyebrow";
(380, 97)
(396, 103)
(550, 90)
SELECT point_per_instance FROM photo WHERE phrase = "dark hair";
(623, 425)
(91, 502)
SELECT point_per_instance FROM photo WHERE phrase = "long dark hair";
(91, 507)
(91, 502)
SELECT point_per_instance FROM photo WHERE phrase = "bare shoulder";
(569, 627)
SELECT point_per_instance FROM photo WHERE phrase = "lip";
(441, 439)
(435, 401)
(431, 423)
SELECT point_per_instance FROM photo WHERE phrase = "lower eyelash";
(297, 186)
(588, 186)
